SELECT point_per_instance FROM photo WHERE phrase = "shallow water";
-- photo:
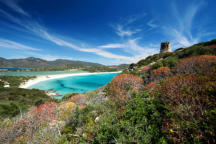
(75, 84)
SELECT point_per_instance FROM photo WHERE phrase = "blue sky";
(103, 31)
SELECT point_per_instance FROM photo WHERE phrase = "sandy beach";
(50, 77)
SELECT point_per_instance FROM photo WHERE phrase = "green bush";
(140, 123)
(9, 109)
(15, 81)
(157, 65)
(24, 98)
(68, 96)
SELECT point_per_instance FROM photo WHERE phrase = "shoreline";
(50, 77)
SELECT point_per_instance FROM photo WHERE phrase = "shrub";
(68, 96)
(9, 109)
(78, 99)
(151, 86)
(189, 90)
(22, 98)
(140, 123)
(65, 110)
(145, 68)
(79, 123)
(189, 98)
(122, 86)
(29, 123)
(170, 61)
(159, 74)
(158, 64)
(167, 62)
(196, 64)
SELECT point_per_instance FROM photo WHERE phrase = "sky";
(109, 32)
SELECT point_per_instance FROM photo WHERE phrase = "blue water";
(14, 69)
(75, 84)
(37, 73)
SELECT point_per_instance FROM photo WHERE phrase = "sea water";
(6, 73)
(75, 84)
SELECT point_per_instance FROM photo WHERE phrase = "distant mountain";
(59, 64)
(32, 62)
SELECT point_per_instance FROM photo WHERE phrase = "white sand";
(49, 77)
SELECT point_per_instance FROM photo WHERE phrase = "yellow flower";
(66, 109)
(171, 130)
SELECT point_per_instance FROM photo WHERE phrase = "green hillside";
(165, 98)
(14, 100)
(37, 64)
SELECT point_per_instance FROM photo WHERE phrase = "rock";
(79, 131)
(97, 119)
(84, 135)
(6, 86)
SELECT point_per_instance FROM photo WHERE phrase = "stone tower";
(165, 47)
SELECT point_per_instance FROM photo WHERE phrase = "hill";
(165, 98)
(37, 64)
(32, 62)
(169, 59)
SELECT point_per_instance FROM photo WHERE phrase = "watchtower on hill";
(165, 47)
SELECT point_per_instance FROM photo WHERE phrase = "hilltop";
(170, 59)
(32, 62)
(37, 64)
(165, 98)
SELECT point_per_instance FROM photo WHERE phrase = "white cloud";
(105, 54)
(152, 24)
(13, 5)
(14, 45)
(113, 45)
(181, 31)
(133, 18)
(42, 32)
(131, 45)
(122, 31)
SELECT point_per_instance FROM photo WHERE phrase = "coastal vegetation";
(14, 100)
(14, 81)
(165, 98)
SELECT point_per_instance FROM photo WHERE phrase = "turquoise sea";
(75, 84)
